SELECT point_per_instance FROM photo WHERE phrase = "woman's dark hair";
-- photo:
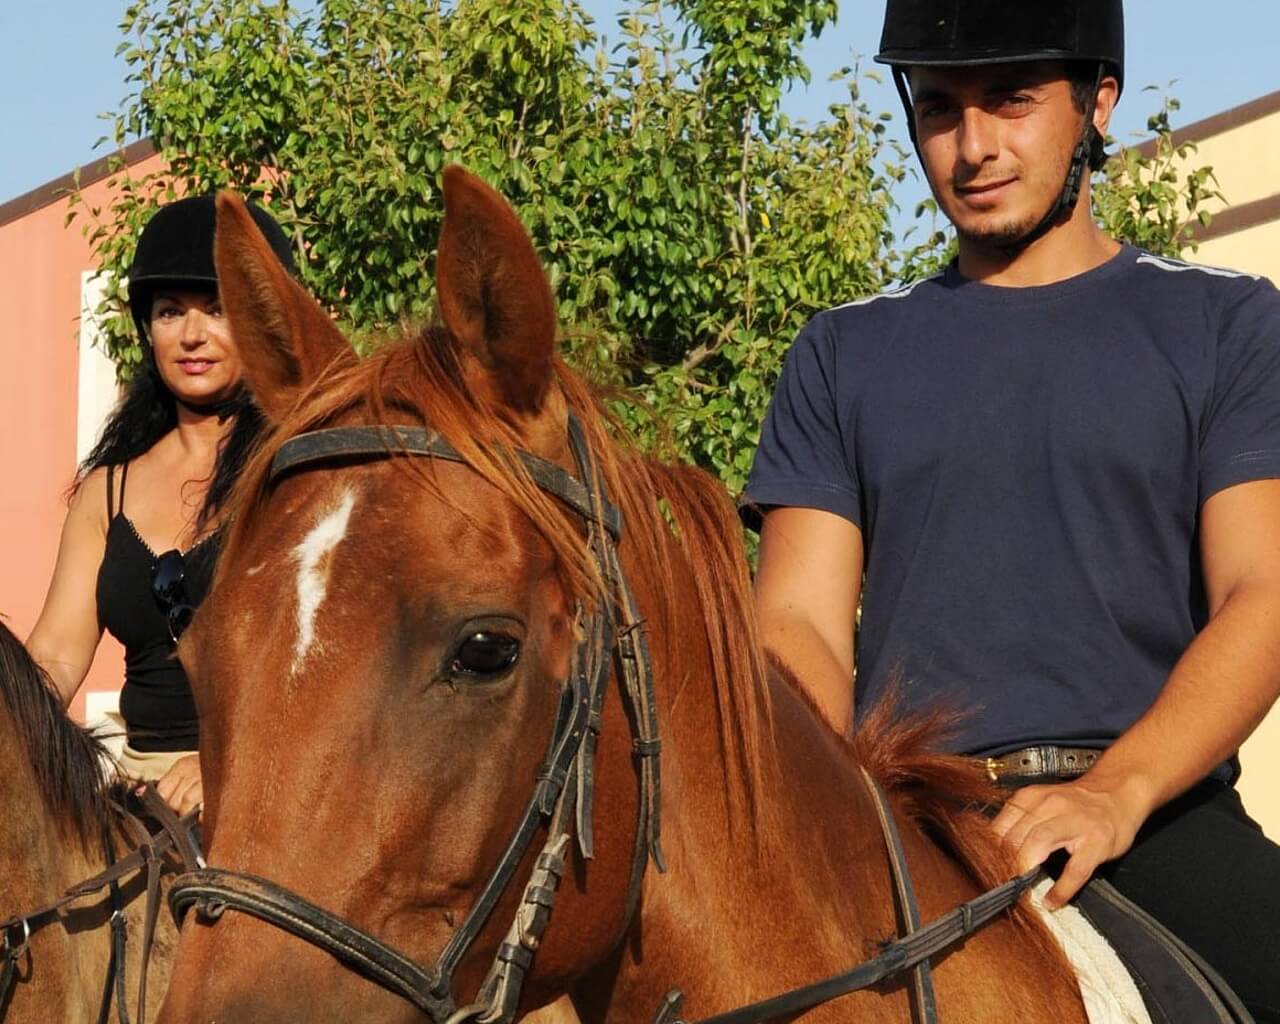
(148, 411)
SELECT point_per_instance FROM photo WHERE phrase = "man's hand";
(180, 787)
(1092, 823)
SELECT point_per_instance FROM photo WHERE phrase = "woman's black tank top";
(156, 702)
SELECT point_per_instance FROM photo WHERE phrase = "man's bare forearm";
(825, 674)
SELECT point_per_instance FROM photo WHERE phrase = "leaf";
(625, 159)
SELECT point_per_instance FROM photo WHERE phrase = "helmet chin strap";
(1065, 204)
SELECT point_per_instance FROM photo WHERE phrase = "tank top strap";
(124, 476)
(114, 509)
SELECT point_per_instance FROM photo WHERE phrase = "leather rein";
(175, 834)
(562, 797)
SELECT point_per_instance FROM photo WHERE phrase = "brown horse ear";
(285, 339)
(494, 294)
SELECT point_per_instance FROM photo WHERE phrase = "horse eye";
(486, 654)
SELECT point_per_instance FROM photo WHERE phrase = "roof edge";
(1235, 219)
(52, 191)
(1217, 124)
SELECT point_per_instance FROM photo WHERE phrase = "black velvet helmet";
(176, 249)
(960, 33)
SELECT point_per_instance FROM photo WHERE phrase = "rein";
(911, 951)
(562, 797)
(175, 834)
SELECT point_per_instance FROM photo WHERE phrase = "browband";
(334, 443)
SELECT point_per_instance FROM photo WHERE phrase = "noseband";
(561, 801)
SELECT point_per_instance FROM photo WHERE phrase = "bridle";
(561, 801)
(147, 855)
(562, 796)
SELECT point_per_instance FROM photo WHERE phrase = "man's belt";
(1043, 763)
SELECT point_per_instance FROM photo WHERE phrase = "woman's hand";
(180, 787)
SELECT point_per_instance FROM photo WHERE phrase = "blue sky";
(58, 72)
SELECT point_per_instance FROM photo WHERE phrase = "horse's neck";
(39, 854)
(745, 914)
(798, 890)
(812, 825)
(786, 887)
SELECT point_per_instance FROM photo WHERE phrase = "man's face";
(996, 142)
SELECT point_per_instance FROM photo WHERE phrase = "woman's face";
(195, 354)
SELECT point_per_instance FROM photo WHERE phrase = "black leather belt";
(1042, 763)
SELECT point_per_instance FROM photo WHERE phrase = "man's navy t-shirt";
(1027, 466)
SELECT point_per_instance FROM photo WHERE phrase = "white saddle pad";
(1110, 995)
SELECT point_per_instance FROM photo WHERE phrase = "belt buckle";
(992, 765)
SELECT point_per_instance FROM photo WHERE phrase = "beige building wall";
(1243, 148)
(1256, 250)
(1245, 160)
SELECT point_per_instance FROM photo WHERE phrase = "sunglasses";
(167, 576)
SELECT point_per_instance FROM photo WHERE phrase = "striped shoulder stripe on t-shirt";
(892, 293)
(1177, 266)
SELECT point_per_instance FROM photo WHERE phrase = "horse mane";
(68, 761)
(420, 378)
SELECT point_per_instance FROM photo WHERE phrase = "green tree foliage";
(1155, 200)
(688, 226)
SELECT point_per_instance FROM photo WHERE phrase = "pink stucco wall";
(41, 262)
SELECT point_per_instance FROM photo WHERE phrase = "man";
(1058, 464)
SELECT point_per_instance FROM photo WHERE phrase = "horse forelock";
(420, 378)
(67, 760)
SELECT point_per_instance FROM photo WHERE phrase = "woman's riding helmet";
(176, 249)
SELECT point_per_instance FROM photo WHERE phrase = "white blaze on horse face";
(314, 558)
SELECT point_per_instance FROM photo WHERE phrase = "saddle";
(1176, 985)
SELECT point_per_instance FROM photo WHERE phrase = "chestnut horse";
(380, 668)
(55, 821)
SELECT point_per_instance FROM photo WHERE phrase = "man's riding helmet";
(176, 250)
(967, 33)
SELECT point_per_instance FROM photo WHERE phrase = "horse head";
(393, 644)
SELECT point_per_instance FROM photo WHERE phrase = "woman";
(141, 532)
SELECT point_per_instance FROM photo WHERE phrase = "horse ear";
(493, 292)
(284, 337)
